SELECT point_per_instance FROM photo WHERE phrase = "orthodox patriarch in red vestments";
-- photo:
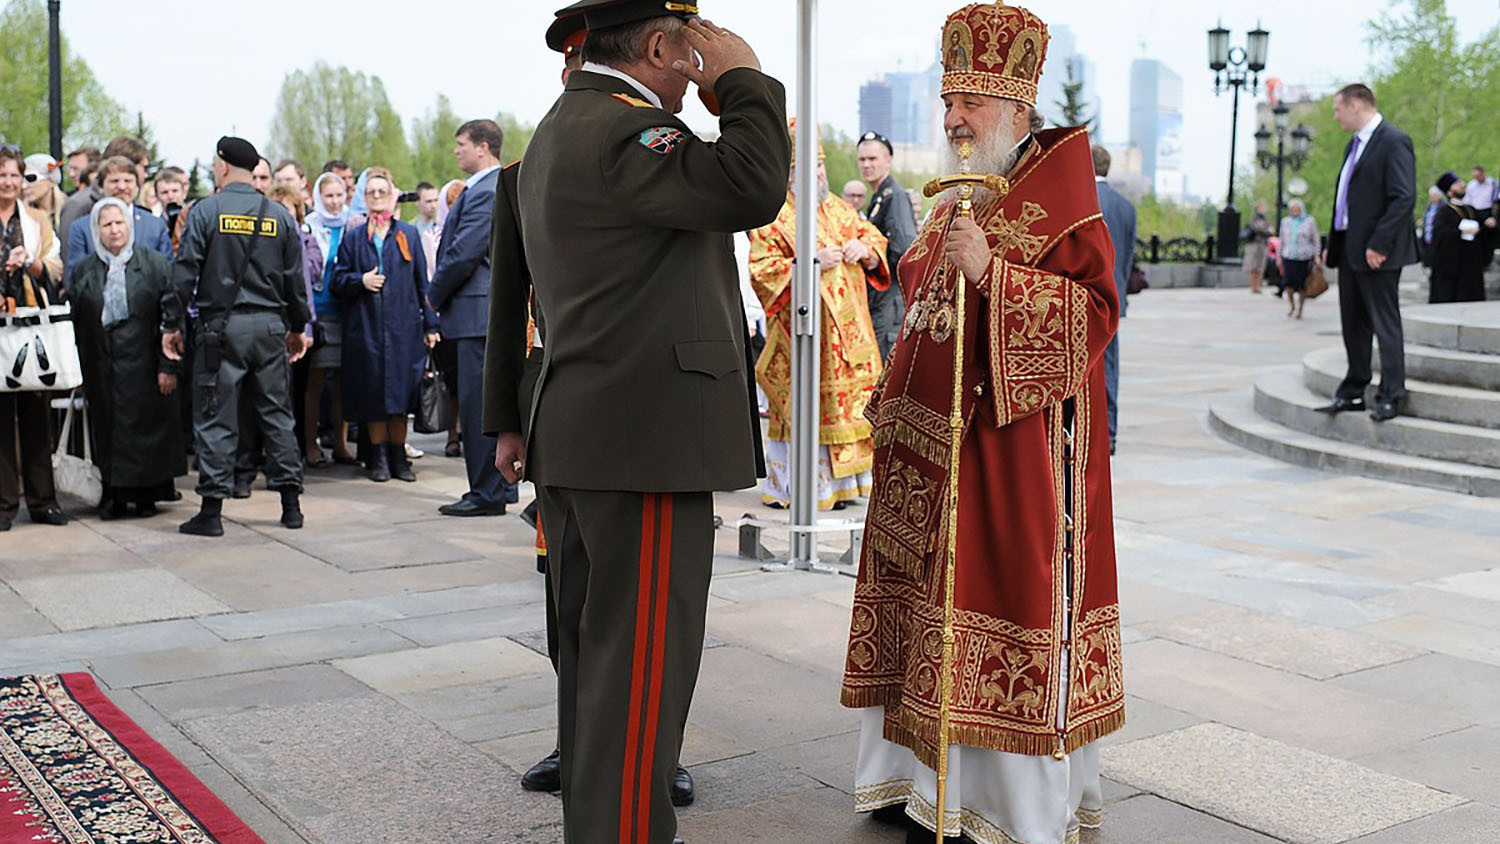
(1036, 678)
(851, 254)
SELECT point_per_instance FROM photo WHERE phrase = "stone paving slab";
(818, 815)
(316, 765)
(17, 618)
(487, 711)
(253, 625)
(1470, 824)
(104, 642)
(1465, 762)
(1435, 633)
(1148, 819)
(1242, 777)
(107, 599)
(1425, 600)
(167, 666)
(1440, 683)
(1279, 642)
(404, 672)
(222, 783)
(1320, 716)
(789, 703)
(235, 693)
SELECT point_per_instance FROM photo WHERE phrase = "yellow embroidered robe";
(850, 356)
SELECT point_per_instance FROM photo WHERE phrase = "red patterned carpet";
(75, 770)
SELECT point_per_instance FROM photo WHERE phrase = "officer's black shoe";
(50, 516)
(207, 522)
(380, 464)
(918, 834)
(4, 524)
(242, 487)
(111, 509)
(1384, 411)
(467, 508)
(145, 509)
(529, 514)
(1339, 405)
(400, 465)
(545, 775)
(682, 788)
(291, 509)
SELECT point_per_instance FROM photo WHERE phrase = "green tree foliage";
(517, 137)
(1073, 109)
(432, 143)
(333, 112)
(1443, 93)
(90, 116)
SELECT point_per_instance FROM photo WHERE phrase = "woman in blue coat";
(381, 279)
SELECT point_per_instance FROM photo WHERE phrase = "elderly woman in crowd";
(131, 386)
(1300, 245)
(32, 266)
(381, 278)
(1257, 246)
(328, 222)
(290, 197)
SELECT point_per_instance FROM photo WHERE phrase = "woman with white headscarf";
(132, 389)
(328, 222)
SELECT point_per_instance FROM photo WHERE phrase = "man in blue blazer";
(460, 293)
(118, 178)
(1119, 218)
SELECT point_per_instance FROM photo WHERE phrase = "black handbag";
(433, 402)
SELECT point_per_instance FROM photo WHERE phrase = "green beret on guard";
(237, 152)
(602, 14)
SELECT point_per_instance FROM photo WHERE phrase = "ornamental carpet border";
(74, 769)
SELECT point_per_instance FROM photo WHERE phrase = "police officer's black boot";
(207, 522)
(379, 464)
(291, 508)
(400, 464)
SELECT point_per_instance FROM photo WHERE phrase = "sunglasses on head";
(879, 139)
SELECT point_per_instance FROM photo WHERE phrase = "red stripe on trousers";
(630, 777)
(658, 658)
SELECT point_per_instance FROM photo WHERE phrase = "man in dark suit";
(891, 212)
(1119, 218)
(460, 293)
(1371, 240)
(642, 409)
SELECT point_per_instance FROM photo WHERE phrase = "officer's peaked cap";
(602, 14)
(238, 152)
(567, 32)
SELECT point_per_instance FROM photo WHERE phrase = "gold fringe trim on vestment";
(918, 733)
(968, 822)
(921, 444)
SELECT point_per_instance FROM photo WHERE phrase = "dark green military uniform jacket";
(626, 219)
(510, 295)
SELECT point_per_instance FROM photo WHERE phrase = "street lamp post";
(54, 80)
(1281, 159)
(1235, 67)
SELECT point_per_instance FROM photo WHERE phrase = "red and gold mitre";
(995, 50)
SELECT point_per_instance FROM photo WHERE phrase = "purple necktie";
(1341, 208)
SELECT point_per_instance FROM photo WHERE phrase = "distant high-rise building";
(1156, 126)
(875, 112)
(904, 106)
(1062, 56)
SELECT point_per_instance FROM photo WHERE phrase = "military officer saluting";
(240, 261)
(642, 409)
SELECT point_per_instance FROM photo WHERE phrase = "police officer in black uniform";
(240, 261)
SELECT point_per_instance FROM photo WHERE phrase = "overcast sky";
(198, 70)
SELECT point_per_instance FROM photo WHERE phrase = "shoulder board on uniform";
(632, 101)
(511, 165)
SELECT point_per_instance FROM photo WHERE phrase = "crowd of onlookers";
(98, 231)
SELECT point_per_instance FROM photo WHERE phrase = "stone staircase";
(1448, 435)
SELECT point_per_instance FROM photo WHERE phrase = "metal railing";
(1178, 250)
